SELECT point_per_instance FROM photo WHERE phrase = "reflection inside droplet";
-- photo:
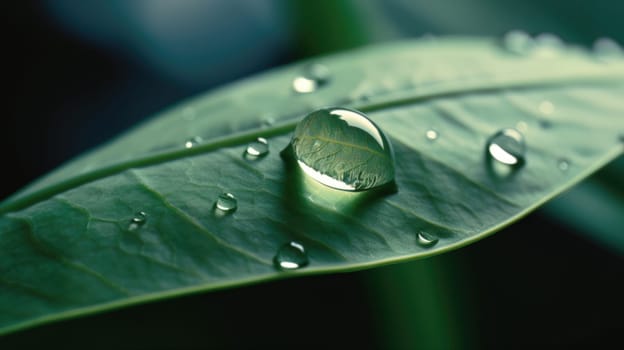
(343, 149)
(226, 203)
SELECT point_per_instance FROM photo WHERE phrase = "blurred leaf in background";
(81, 73)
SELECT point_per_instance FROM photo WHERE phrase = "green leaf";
(70, 247)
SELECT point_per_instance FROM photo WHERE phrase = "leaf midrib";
(280, 129)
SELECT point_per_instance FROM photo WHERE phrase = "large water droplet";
(137, 221)
(291, 256)
(192, 142)
(258, 148)
(343, 149)
(431, 134)
(426, 239)
(311, 78)
(507, 146)
(518, 42)
(226, 203)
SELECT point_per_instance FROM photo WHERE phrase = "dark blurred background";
(81, 72)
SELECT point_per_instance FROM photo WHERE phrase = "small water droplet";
(507, 146)
(563, 164)
(291, 256)
(192, 142)
(257, 149)
(426, 239)
(606, 49)
(547, 45)
(522, 126)
(343, 149)
(313, 77)
(137, 221)
(267, 121)
(431, 134)
(546, 108)
(226, 203)
(365, 97)
(518, 42)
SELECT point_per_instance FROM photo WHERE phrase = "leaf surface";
(68, 242)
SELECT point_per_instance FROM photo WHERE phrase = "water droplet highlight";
(226, 203)
(257, 149)
(313, 77)
(426, 239)
(291, 256)
(563, 164)
(518, 42)
(192, 142)
(507, 146)
(137, 221)
(431, 135)
(343, 149)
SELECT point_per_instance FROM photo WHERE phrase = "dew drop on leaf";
(267, 120)
(522, 126)
(291, 256)
(431, 134)
(507, 147)
(226, 203)
(256, 149)
(563, 164)
(547, 45)
(192, 142)
(426, 239)
(343, 149)
(606, 49)
(518, 42)
(546, 108)
(312, 77)
(137, 221)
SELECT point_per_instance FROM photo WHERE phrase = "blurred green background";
(81, 72)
